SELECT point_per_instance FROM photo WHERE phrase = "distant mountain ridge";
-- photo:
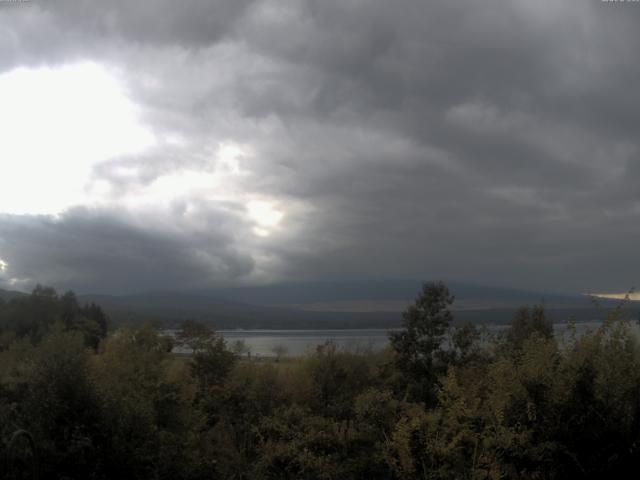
(7, 295)
(333, 304)
(314, 292)
(330, 305)
(386, 296)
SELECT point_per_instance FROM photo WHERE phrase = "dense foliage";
(442, 402)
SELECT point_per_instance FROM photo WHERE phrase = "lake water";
(300, 342)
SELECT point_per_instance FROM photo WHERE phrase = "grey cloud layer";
(100, 250)
(490, 141)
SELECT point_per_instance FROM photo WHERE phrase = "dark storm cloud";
(51, 31)
(490, 141)
(101, 251)
(191, 23)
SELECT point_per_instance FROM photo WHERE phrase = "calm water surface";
(299, 342)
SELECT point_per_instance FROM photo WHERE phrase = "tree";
(279, 351)
(418, 346)
(94, 324)
(212, 363)
(148, 421)
(35, 316)
(195, 335)
(526, 322)
(466, 344)
(60, 407)
(336, 377)
(240, 348)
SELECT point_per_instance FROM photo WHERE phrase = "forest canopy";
(441, 402)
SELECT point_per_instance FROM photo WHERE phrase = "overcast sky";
(187, 144)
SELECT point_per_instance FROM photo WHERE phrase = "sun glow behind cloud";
(217, 181)
(182, 197)
(228, 156)
(6, 277)
(56, 125)
(265, 215)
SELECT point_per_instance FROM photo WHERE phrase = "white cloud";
(265, 215)
(57, 123)
(327, 139)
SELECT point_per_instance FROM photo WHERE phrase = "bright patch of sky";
(56, 124)
(265, 215)
(634, 296)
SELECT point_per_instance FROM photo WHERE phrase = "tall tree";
(418, 346)
(528, 321)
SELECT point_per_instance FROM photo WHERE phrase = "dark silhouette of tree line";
(442, 402)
